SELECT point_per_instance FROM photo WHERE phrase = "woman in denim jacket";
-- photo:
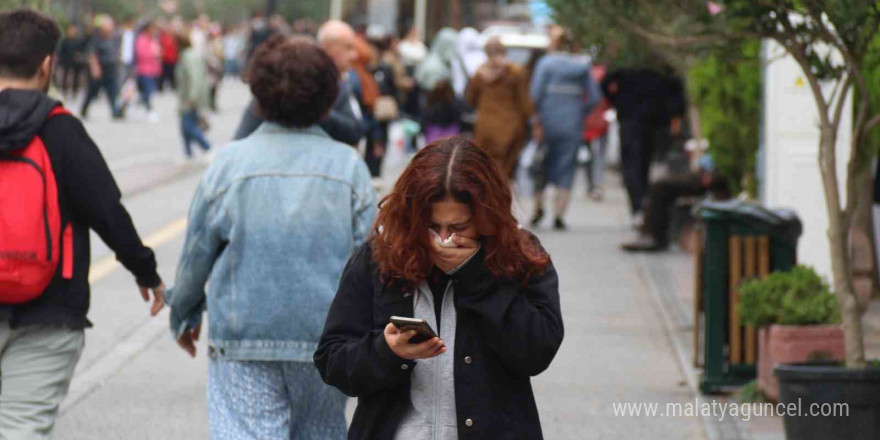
(271, 226)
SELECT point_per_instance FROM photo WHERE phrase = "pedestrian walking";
(596, 138)
(441, 117)
(445, 249)
(193, 95)
(411, 51)
(103, 58)
(54, 188)
(72, 62)
(564, 92)
(148, 67)
(499, 92)
(649, 107)
(214, 59)
(437, 65)
(343, 124)
(234, 41)
(470, 55)
(271, 226)
(170, 56)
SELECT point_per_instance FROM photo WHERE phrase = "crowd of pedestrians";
(133, 61)
(297, 264)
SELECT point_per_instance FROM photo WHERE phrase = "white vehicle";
(521, 40)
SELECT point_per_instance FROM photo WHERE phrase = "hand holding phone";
(422, 328)
(402, 339)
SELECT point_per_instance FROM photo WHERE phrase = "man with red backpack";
(54, 187)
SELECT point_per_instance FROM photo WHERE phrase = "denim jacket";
(272, 224)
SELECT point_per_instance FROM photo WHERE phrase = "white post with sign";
(789, 159)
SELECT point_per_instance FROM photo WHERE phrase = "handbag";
(386, 109)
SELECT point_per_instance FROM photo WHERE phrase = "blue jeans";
(189, 125)
(272, 400)
(146, 85)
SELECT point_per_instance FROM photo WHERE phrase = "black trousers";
(167, 76)
(107, 82)
(71, 77)
(661, 200)
(638, 143)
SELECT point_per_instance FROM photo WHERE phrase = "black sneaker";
(559, 225)
(536, 219)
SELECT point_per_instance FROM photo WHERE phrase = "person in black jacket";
(341, 123)
(445, 248)
(649, 107)
(41, 340)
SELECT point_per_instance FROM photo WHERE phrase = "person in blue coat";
(564, 92)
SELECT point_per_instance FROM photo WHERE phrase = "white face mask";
(448, 243)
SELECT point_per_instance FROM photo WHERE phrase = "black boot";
(536, 219)
(559, 225)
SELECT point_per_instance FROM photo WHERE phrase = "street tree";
(830, 40)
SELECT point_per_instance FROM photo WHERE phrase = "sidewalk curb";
(713, 429)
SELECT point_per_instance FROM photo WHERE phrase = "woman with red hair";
(445, 248)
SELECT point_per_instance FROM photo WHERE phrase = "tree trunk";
(863, 249)
(838, 237)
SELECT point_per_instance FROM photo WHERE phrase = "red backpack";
(30, 223)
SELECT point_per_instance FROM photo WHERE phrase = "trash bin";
(738, 241)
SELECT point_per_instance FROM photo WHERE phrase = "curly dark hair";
(294, 81)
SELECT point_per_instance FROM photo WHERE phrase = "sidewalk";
(671, 275)
(616, 349)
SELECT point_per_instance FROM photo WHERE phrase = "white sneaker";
(638, 220)
(153, 117)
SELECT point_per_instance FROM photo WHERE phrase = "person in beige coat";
(499, 92)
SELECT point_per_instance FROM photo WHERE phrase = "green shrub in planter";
(798, 297)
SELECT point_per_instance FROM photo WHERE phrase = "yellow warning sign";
(799, 82)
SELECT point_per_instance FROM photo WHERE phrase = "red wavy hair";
(451, 167)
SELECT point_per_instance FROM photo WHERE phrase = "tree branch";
(676, 41)
(873, 122)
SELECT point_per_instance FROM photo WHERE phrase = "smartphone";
(422, 328)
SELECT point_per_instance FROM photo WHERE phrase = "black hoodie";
(88, 198)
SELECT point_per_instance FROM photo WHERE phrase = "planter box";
(834, 402)
(791, 344)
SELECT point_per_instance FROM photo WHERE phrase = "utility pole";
(421, 18)
(270, 7)
(336, 9)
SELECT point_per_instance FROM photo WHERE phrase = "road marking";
(105, 266)
(85, 382)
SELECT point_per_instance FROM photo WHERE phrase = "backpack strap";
(58, 110)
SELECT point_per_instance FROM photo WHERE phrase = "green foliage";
(798, 297)
(871, 72)
(610, 45)
(727, 87)
(751, 393)
(227, 11)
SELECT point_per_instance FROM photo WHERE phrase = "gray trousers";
(36, 364)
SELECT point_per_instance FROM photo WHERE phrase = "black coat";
(88, 198)
(510, 332)
(644, 96)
